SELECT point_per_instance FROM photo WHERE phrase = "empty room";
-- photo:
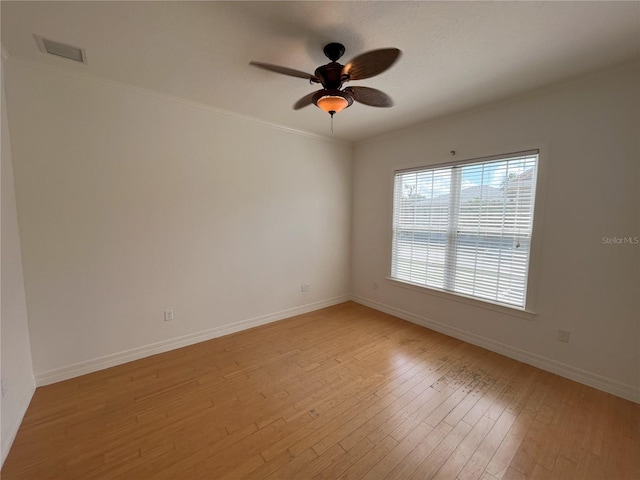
(320, 240)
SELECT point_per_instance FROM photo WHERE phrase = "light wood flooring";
(343, 392)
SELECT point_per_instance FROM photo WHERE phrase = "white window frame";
(528, 311)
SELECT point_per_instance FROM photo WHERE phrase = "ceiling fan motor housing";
(330, 75)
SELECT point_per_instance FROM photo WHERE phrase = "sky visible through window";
(493, 175)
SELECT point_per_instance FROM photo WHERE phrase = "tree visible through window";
(466, 228)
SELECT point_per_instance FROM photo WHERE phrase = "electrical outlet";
(563, 335)
(168, 315)
(305, 287)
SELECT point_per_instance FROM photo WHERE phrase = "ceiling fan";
(332, 98)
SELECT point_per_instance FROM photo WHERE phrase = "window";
(466, 228)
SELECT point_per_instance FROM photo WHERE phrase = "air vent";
(61, 50)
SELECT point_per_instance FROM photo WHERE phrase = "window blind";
(466, 228)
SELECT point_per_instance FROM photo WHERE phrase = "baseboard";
(608, 385)
(614, 387)
(10, 435)
(94, 365)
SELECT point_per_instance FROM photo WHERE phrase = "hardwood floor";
(343, 392)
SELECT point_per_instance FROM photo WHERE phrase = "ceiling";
(456, 55)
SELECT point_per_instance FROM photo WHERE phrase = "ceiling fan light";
(332, 101)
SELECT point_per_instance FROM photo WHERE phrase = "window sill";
(455, 297)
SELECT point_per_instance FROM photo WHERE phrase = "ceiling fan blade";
(305, 101)
(285, 71)
(370, 96)
(371, 63)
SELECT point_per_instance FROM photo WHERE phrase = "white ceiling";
(456, 55)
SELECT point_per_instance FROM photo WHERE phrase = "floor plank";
(344, 392)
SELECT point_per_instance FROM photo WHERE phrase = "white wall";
(589, 132)
(17, 370)
(131, 203)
